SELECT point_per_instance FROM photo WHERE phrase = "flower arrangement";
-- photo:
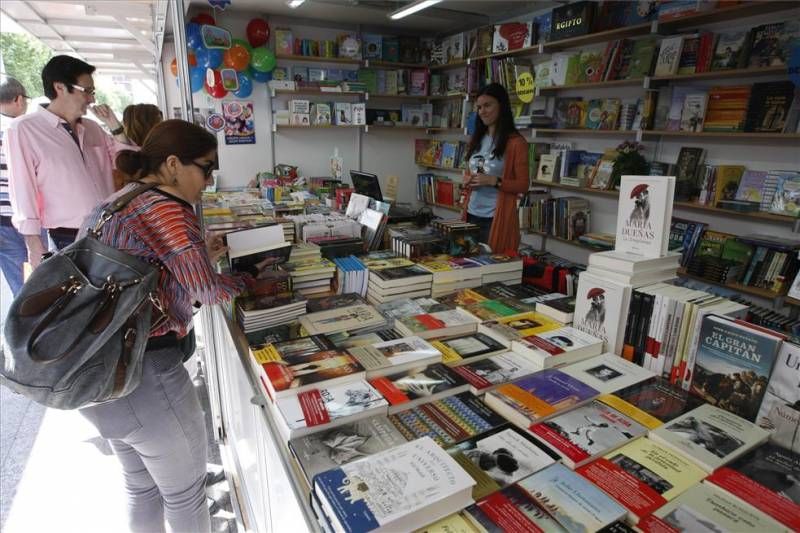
(630, 161)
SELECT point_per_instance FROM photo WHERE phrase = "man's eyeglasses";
(208, 168)
(88, 91)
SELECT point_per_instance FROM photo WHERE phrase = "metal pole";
(179, 34)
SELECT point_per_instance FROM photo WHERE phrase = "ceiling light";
(294, 4)
(412, 8)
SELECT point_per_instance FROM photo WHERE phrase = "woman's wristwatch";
(498, 183)
(118, 130)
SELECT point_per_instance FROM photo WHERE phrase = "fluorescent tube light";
(294, 4)
(412, 8)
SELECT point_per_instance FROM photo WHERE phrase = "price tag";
(525, 88)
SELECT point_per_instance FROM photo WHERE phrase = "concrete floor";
(57, 474)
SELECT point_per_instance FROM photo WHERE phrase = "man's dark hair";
(63, 69)
(10, 90)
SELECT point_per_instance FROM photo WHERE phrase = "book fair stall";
(631, 365)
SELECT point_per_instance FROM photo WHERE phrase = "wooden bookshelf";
(581, 131)
(398, 96)
(599, 37)
(445, 206)
(434, 167)
(598, 84)
(445, 66)
(722, 74)
(725, 14)
(758, 215)
(314, 127)
(459, 96)
(530, 50)
(374, 63)
(745, 289)
(317, 59)
(724, 134)
(445, 130)
(317, 92)
(395, 127)
(577, 244)
(791, 301)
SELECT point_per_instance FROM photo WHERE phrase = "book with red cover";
(444, 192)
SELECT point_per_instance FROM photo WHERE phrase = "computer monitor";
(366, 184)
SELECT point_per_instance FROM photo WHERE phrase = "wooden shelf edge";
(598, 37)
(725, 134)
(318, 59)
(444, 206)
(728, 73)
(791, 301)
(753, 291)
(577, 244)
(595, 84)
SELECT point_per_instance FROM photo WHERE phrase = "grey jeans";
(158, 433)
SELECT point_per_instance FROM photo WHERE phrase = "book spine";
(666, 336)
(691, 352)
(647, 356)
(648, 301)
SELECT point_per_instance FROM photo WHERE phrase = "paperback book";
(486, 374)
(419, 385)
(600, 306)
(400, 489)
(780, 408)
(500, 458)
(396, 355)
(558, 347)
(591, 430)
(354, 317)
(644, 214)
(658, 398)
(515, 327)
(510, 509)
(710, 436)
(466, 348)
(642, 476)
(539, 396)
(438, 324)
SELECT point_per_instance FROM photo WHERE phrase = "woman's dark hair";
(505, 122)
(138, 120)
(182, 139)
(63, 69)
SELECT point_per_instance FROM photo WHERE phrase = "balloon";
(197, 78)
(242, 42)
(236, 57)
(263, 59)
(256, 75)
(208, 57)
(217, 91)
(194, 39)
(258, 32)
(204, 18)
(245, 86)
(173, 67)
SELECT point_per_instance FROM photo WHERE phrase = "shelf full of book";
(744, 289)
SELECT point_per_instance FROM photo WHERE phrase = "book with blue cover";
(574, 502)
(400, 489)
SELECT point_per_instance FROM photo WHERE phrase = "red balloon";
(204, 18)
(257, 32)
(217, 91)
(173, 67)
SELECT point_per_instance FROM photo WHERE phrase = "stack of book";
(312, 277)
(351, 276)
(355, 319)
(258, 312)
(452, 273)
(499, 268)
(396, 278)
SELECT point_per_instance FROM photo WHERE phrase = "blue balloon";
(208, 57)
(194, 38)
(245, 86)
(259, 76)
(197, 77)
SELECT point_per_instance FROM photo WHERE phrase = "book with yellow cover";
(642, 476)
(515, 327)
(728, 178)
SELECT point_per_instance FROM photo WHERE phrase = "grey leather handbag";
(77, 331)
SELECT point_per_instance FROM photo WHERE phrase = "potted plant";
(629, 161)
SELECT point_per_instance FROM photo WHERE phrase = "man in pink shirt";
(60, 165)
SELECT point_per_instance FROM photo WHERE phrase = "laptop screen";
(366, 184)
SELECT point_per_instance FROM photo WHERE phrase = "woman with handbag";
(498, 171)
(158, 431)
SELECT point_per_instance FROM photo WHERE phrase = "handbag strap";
(120, 203)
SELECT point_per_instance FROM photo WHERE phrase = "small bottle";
(336, 164)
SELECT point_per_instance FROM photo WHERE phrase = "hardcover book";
(400, 489)
(449, 420)
(510, 328)
(558, 347)
(705, 507)
(654, 473)
(767, 46)
(405, 390)
(318, 409)
(658, 398)
(733, 364)
(710, 436)
(644, 214)
(766, 478)
(325, 450)
(780, 407)
(465, 348)
(395, 355)
(669, 56)
(730, 51)
(571, 20)
(588, 431)
(538, 396)
(600, 308)
(500, 458)
(607, 373)
(512, 36)
(576, 504)
(496, 370)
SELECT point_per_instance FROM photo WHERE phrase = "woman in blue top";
(498, 170)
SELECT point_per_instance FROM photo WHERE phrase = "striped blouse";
(159, 226)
